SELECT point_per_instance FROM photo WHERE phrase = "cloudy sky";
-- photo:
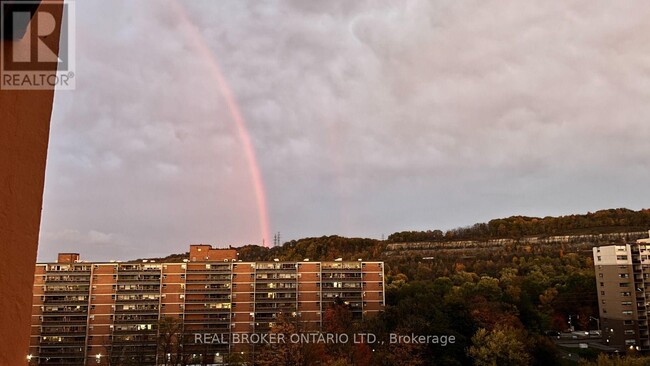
(358, 118)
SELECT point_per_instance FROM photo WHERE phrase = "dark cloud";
(367, 117)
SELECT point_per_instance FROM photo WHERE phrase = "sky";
(203, 121)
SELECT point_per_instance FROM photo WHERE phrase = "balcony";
(276, 267)
(155, 290)
(139, 320)
(64, 322)
(80, 343)
(139, 301)
(276, 279)
(63, 333)
(140, 280)
(67, 281)
(275, 299)
(341, 270)
(341, 277)
(136, 271)
(275, 306)
(70, 290)
(209, 300)
(215, 280)
(341, 289)
(207, 321)
(266, 318)
(208, 290)
(138, 311)
(193, 272)
(340, 295)
(48, 301)
(63, 353)
(126, 332)
(81, 311)
(54, 358)
(69, 270)
(262, 288)
(135, 342)
(207, 310)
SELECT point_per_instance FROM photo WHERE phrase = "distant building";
(87, 313)
(623, 285)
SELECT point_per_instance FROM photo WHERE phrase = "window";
(628, 322)
(602, 284)
(600, 275)
(621, 257)
(627, 312)
(626, 303)
(629, 331)
(623, 275)
(625, 294)
(624, 284)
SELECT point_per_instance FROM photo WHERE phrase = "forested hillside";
(510, 294)
(515, 227)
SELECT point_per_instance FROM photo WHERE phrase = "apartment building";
(623, 285)
(99, 313)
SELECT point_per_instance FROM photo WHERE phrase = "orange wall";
(24, 130)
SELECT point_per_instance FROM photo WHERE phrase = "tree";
(502, 346)
(604, 360)
(285, 353)
(170, 338)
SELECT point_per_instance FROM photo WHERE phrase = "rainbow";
(244, 136)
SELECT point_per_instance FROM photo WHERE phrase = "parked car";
(552, 334)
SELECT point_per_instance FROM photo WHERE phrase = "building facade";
(623, 285)
(98, 313)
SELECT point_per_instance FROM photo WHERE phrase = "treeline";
(320, 249)
(516, 227)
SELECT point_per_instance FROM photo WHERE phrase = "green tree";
(501, 346)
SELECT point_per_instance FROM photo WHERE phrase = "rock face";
(24, 132)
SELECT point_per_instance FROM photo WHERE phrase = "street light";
(597, 321)
(98, 358)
